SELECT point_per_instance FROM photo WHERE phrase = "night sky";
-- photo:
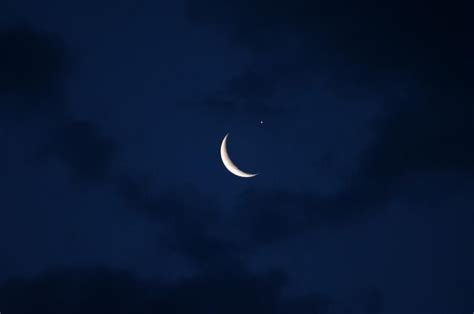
(114, 199)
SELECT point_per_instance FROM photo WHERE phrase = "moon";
(229, 164)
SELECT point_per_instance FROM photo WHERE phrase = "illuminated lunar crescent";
(229, 164)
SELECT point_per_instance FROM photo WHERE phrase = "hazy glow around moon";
(229, 164)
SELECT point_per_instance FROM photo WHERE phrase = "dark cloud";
(344, 43)
(84, 149)
(250, 93)
(435, 137)
(230, 293)
(76, 292)
(213, 240)
(34, 65)
(263, 213)
(107, 291)
(103, 291)
(192, 224)
(196, 228)
(170, 205)
(383, 35)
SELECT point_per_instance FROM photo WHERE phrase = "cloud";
(84, 149)
(344, 44)
(170, 205)
(250, 93)
(358, 30)
(192, 225)
(76, 292)
(112, 291)
(435, 137)
(195, 227)
(33, 65)
(105, 291)
(108, 291)
(264, 216)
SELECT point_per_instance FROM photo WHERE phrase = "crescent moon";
(229, 164)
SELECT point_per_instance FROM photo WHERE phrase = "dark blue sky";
(114, 198)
